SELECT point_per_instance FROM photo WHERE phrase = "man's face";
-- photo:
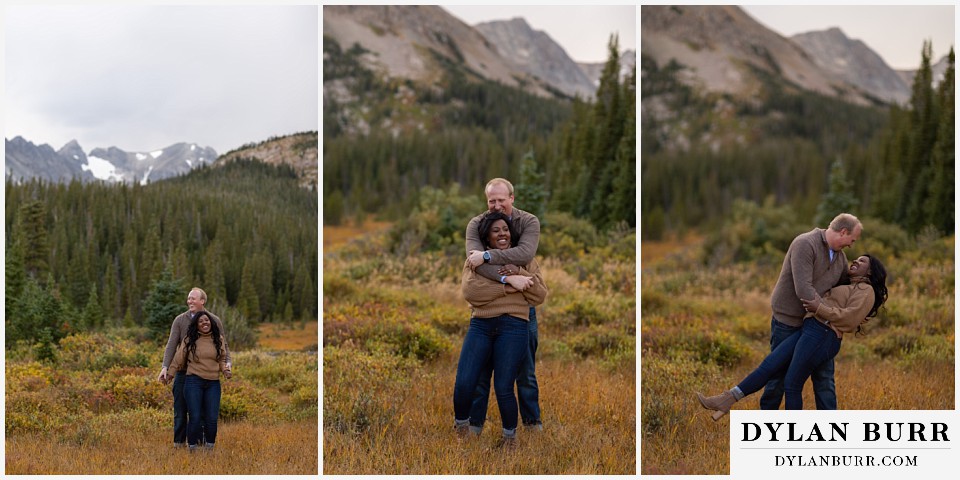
(499, 199)
(848, 238)
(195, 301)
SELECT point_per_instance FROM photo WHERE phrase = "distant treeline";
(468, 130)
(89, 254)
(897, 163)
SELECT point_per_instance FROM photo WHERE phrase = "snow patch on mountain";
(101, 168)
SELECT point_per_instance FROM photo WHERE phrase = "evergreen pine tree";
(31, 234)
(92, 317)
(249, 300)
(530, 192)
(939, 209)
(163, 303)
(839, 198)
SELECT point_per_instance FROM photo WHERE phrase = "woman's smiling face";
(203, 324)
(499, 236)
(860, 267)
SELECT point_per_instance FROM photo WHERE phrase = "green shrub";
(85, 351)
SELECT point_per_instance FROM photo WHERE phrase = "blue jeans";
(502, 341)
(824, 387)
(179, 409)
(527, 389)
(794, 359)
(203, 404)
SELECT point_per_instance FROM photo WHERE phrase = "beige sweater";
(489, 299)
(847, 306)
(204, 364)
(178, 331)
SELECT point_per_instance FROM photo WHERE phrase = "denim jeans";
(794, 359)
(824, 387)
(203, 405)
(502, 341)
(528, 392)
(179, 409)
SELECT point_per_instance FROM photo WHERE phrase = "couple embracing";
(195, 356)
(818, 299)
(502, 283)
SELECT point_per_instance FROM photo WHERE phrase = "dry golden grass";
(334, 236)
(293, 336)
(589, 428)
(242, 448)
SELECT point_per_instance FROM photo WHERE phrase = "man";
(196, 299)
(814, 264)
(490, 264)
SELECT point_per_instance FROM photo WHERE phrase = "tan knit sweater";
(178, 331)
(488, 298)
(847, 306)
(205, 364)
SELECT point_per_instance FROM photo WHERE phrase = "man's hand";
(475, 258)
(811, 305)
(520, 282)
(162, 378)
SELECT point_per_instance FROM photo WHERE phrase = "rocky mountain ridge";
(415, 41)
(534, 52)
(725, 50)
(26, 160)
(299, 151)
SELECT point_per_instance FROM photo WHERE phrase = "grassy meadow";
(705, 328)
(98, 409)
(392, 333)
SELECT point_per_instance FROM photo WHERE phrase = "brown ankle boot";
(720, 403)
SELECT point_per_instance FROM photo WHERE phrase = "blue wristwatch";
(486, 256)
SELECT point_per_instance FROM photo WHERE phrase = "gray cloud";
(144, 77)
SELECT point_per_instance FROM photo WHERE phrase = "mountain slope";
(534, 52)
(410, 41)
(25, 160)
(723, 48)
(854, 62)
(298, 151)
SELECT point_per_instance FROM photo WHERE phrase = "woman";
(498, 328)
(205, 357)
(843, 310)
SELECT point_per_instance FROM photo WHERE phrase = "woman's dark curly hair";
(487, 222)
(878, 280)
(193, 333)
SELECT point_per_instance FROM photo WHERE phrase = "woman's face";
(860, 267)
(499, 235)
(203, 324)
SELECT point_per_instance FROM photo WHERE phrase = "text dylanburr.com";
(805, 444)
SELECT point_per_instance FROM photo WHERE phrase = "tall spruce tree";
(839, 198)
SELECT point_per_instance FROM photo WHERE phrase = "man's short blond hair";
(203, 295)
(499, 180)
(845, 220)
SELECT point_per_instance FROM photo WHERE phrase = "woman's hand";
(519, 282)
(811, 305)
(509, 269)
(838, 332)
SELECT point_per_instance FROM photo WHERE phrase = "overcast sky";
(583, 31)
(896, 33)
(144, 77)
